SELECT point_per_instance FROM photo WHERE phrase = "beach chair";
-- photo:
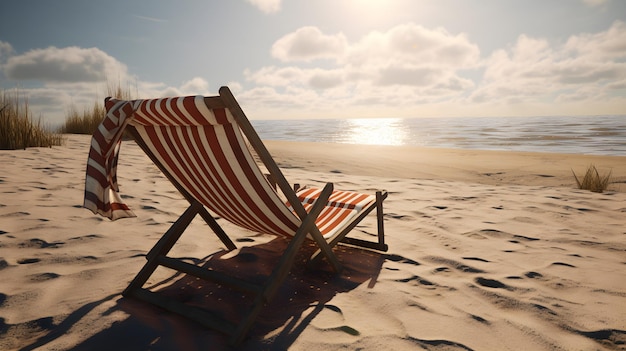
(203, 146)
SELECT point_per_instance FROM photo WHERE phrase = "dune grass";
(88, 121)
(592, 180)
(17, 128)
(83, 123)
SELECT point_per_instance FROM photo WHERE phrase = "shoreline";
(476, 166)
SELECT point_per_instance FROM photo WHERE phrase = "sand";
(488, 251)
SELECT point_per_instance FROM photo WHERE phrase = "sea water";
(594, 135)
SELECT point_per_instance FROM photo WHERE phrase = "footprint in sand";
(492, 283)
(479, 319)
(454, 264)
(28, 260)
(484, 233)
(476, 259)
(419, 280)
(563, 264)
(41, 244)
(398, 216)
(42, 277)
(86, 237)
(400, 259)
(331, 318)
(526, 238)
(441, 269)
(16, 214)
(606, 336)
(533, 275)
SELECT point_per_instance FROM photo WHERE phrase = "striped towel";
(101, 190)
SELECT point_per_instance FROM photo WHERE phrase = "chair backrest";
(198, 141)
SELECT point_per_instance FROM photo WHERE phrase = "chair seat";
(341, 209)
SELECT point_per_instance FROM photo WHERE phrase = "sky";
(322, 58)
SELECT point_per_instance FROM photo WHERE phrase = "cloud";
(266, 6)
(70, 64)
(6, 50)
(410, 68)
(532, 69)
(196, 86)
(600, 46)
(76, 77)
(307, 44)
(398, 69)
(407, 59)
(413, 45)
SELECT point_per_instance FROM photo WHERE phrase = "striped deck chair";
(202, 145)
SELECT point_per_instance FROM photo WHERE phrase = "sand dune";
(488, 251)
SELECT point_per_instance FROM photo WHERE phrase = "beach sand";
(487, 251)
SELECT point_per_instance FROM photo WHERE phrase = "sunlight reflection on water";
(600, 135)
(377, 131)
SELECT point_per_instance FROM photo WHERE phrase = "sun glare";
(375, 131)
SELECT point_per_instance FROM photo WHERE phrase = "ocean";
(593, 135)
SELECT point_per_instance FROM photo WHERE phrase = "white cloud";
(71, 64)
(6, 50)
(77, 78)
(405, 65)
(413, 45)
(609, 44)
(533, 70)
(307, 44)
(411, 68)
(266, 6)
(195, 86)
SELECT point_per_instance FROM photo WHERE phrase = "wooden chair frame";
(157, 256)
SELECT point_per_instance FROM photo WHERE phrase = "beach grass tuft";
(83, 123)
(17, 128)
(592, 180)
(88, 121)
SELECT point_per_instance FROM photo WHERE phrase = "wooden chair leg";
(162, 247)
(278, 275)
(380, 197)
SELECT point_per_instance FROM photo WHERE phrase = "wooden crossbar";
(208, 274)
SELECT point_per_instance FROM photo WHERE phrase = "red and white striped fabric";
(342, 207)
(204, 150)
(101, 191)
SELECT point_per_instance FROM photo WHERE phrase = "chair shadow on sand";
(305, 293)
